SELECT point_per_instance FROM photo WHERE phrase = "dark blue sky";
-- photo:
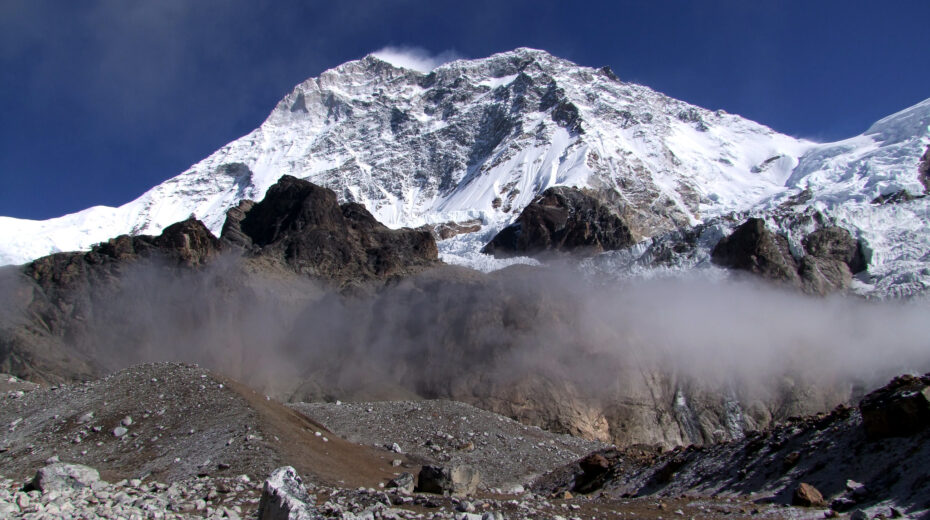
(100, 100)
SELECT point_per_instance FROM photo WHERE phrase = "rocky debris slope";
(562, 219)
(874, 457)
(176, 442)
(233, 498)
(173, 422)
(505, 453)
(287, 496)
(241, 497)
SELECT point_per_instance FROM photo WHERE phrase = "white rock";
(284, 497)
(63, 477)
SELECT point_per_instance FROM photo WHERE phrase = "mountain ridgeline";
(473, 143)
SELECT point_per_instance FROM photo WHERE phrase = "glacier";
(479, 139)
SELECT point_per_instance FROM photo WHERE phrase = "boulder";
(403, 482)
(807, 495)
(900, 408)
(562, 219)
(284, 497)
(63, 477)
(456, 480)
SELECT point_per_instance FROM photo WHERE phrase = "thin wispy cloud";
(416, 58)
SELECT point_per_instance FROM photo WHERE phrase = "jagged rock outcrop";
(303, 225)
(562, 219)
(753, 248)
(832, 257)
(232, 228)
(64, 313)
(52, 302)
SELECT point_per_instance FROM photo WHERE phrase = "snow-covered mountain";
(479, 139)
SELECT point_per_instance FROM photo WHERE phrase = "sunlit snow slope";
(479, 139)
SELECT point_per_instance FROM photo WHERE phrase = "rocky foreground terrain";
(177, 441)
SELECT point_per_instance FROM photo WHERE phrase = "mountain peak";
(479, 139)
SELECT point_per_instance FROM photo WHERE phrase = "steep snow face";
(845, 179)
(473, 139)
(479, 139)
(833, 184)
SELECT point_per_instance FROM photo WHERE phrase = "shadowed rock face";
(562, 219)
(899, 409)
(304, 226)
(52, 304)
(833, 255)
(752, 247)
(51, 300)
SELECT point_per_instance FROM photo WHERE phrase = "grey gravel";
(505, 452)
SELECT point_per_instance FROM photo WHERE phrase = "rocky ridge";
(870, 458)
(59, 306)
(831, 257)
(562, 219)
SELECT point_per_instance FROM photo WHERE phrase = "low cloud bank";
(427, 334)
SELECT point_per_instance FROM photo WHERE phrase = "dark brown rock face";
(899, 409)
(752, 247)
(833, 255)
(562, 219)
(303, 225)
